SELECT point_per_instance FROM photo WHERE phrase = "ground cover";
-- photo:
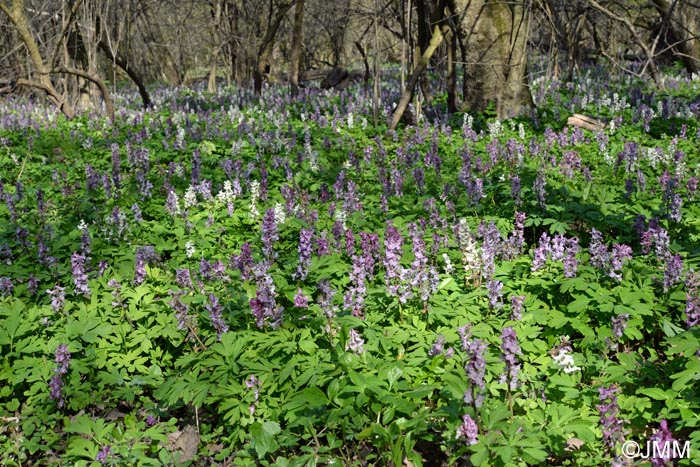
(222, 280)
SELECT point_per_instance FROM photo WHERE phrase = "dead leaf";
(184, 444)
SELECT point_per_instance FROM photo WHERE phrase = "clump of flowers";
(562, 357)
(355, 343)
(62, 360)
(510, 350)
(80, 278)
(601, 258)
(468, 430)
(612, 424)
(475, 367)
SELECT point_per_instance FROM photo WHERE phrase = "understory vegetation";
(232, 280)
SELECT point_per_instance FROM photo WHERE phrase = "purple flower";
(103, 454)
(32, 284)
(305, 250)
(301, 300)
(244, 262)
(6, 286)
(136, 211)
(181, 310)
(495, 293)
(80, 278)
(475, 367)
(692, 305)
(217, 320)
(540, 190)
(672, 272)
(264, 306)
(355, 343)
(468, 430)
(438, 348)
(62, 360)
(516, 307)
(662, 438)
(183, 278)
(609, 411)
(269, 234)
(510, 351)
(392, 257)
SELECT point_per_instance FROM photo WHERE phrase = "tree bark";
(133, 74)
(494, 33)
(297, 36)
(422, 64)
(262, 65)
(683, 24)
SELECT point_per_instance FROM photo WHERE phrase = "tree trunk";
(297, 36)
(683, 24)
(133, 74)
(451, 75)
(422, 64)
(262, 65)
(495, 34)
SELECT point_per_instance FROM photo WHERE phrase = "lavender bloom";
(355, 296)
(305, 250)
(264, 306)
(620, 255)
(570, 262)
(32, 284)
(619, 323)
(438, 348)
(672, 272)
(136, 211)
(609, 410)
(80, 278)
(301, 300)
(58, 298)
(269, 234)
(598, 251)
(661, 438)
(540, 190)
(692, 305)
(244, 262)
(355, 343)
(542, 253)
(515, 189)
(495, 293)
(116, 166)
(103, 454)
(326, 299)
(196, 167)
(181, 310)
(62, 360)
(217, 320)
(468, 430)
(6, 286)
(511, 350)
(516, 307)
(475, 367)
(392, 258)
(183, 278)
(674, 209)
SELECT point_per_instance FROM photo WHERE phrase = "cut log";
(584, 121)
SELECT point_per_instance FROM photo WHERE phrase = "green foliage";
(150, 384)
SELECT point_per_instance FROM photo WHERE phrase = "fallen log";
(584, 121)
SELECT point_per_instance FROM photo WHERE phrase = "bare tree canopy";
(74, 52)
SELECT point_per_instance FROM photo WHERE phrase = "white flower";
(280, 215)
(226, 194)
(190, 197)
(189, 248)
(565, 361)
(449, 268)
(82, 226)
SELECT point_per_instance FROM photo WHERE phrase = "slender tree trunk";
(297, 36)
(422, 64)
(451, 74)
